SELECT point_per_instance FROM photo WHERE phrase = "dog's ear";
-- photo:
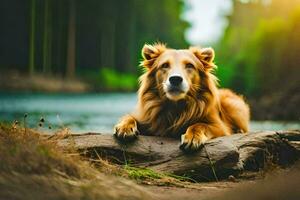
(205, 55)
(150, 53)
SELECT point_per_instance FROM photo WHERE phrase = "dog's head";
(177, 73)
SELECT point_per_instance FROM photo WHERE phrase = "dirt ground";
(197, 191)
(278, 184)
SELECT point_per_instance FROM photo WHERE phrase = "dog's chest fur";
(165, 121)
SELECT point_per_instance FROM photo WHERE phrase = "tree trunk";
(219, 158)
(45, 36)
(32, 38)
(71, 52)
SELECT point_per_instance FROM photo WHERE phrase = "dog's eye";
(165, 66)
(189, 66)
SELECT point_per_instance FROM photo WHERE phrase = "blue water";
(85, 112)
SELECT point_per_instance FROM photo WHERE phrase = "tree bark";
(231, 155)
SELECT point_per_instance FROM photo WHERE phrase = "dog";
(179, 97)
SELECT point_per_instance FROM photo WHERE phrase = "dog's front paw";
(192, 141)
(126, 129)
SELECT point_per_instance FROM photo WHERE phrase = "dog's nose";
(175, 80)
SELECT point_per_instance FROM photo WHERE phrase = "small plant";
(142, 173)
(25, 125)
(149, 176)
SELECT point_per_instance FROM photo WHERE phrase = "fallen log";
(224, 156)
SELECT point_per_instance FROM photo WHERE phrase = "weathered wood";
(230, 155)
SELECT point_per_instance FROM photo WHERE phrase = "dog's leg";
(126, 129)
(197, 134)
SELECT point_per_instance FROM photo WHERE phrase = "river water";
(86, 112)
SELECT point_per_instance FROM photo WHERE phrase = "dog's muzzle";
(175, 87)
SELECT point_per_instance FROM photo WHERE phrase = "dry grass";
(33, 167)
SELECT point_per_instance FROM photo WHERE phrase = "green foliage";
(108, 79)
(114, 80)
(255, 53)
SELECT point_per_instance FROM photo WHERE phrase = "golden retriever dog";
(178, 97)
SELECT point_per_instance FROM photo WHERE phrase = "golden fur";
(198, 112)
